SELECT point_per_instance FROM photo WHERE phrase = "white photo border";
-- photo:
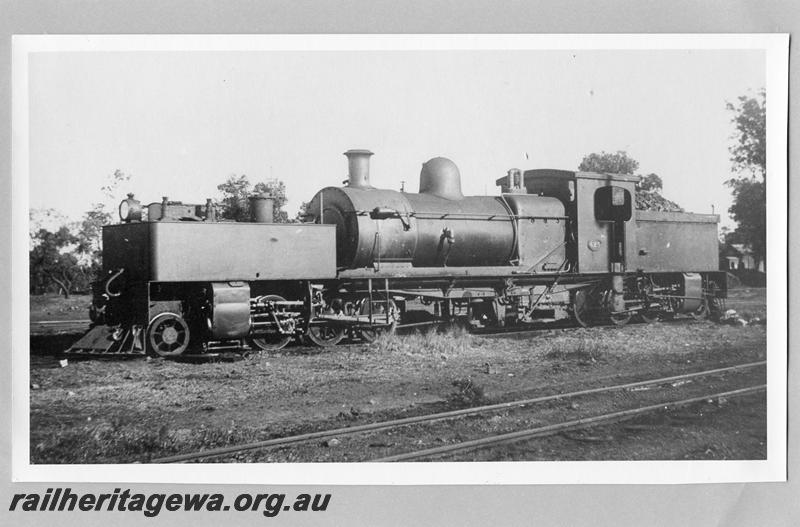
(776, 48)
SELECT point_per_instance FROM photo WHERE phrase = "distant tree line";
(236, 191)
(64, 258)
(649, 187)
(749, 184)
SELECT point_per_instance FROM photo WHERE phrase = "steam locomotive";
(554, 245)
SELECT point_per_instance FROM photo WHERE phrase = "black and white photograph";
(390, 259)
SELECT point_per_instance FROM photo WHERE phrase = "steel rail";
(585, 422)
(383, 425)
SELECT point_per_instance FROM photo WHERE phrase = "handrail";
(464, 215)
(108, 283)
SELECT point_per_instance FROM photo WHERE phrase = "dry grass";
(126, 440)
(467, 393)
(582, 351)
(124, 411)
(453, 342)
(54, 307)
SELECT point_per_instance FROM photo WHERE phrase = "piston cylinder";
(230, 310)
(693, 291)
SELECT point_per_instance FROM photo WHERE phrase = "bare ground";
(100, 411)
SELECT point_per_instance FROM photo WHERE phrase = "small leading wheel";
(168, 335)
(271, 341)
(648, 316)
(667, 315)
(325, 335)
(275, 340)
(619, 319)
(369, 334)
(716, 305)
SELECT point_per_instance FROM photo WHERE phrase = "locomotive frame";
(555, 245)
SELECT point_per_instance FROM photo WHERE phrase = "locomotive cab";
(599, 206)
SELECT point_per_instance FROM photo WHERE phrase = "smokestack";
(358, 168)
(261, 208)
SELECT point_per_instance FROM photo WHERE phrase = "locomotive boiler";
(553, 245)
(438, 227)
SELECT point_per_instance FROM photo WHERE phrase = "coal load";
(646, 200)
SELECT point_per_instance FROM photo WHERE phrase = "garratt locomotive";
(554, 245)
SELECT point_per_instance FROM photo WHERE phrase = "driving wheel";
(583, 307)
(274, 340)
(616, 318)
(325, 335)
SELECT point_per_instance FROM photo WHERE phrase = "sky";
(180, 122)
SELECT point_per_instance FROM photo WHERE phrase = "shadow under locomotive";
(554, 246)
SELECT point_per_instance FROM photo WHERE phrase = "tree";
(90, 233)
(89, 248)
(648, 189)
(52, 261)
(66, 255)
(749, 161)
(650, 183)
(233, 205)
(236, 190)
(302, 212)
(608, 163)
(749, 211)
(48, 219)
(749, 152)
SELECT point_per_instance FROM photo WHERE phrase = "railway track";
(575, 424)
(505, 437)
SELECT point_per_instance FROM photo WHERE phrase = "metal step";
(108, 340)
